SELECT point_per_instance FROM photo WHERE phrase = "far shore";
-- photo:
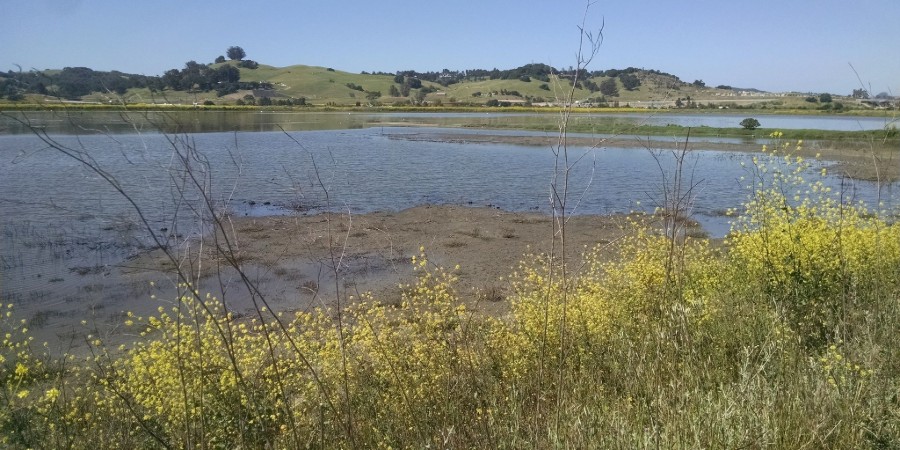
(859, 160)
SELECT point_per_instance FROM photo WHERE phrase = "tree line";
(76, 82)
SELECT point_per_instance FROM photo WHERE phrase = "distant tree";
(393, 91)
(699, 83)
(265, 101)
(812, 99)
(220, 59)
(750, 123)
(373, 95)
(74, 82)
(172, 79)
(413, 83)
(544, 86)
(227, 74)
(12, 94)
(398, 79)
(492, 102)
(235, 53)
(249, 64)
(724, 86)
(825, 98)
(679, 103)
(404, 90)
(860, 93)
(630, 81)
(609, 88)
(883, 95)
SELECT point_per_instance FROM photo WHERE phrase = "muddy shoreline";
(291, 260)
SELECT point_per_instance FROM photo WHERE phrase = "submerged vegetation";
(783, 337)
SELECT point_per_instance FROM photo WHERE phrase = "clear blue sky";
(804, 45)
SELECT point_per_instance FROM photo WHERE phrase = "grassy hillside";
(327, 86)
(320, 85)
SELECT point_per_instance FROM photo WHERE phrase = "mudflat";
(301, 262)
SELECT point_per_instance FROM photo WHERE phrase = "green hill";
(532, 84)
(327, 86)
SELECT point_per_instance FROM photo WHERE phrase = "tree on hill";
(235, 53)
(220, 59)
(249, 64)
(825, 98)
(630, 81)
(609, 88)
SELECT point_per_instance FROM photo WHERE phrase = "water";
(210, 121)
(58, 216)
(780, 122)
(362, 170)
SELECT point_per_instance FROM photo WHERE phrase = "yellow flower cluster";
(810, 250)
(648, 282)
(841, 373)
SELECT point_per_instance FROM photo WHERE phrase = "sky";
(788, 45)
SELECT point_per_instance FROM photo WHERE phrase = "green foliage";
(609, 88)
(235, 53)
(814, 255)
(750, 123)
(825, 98)
(249, 64)
(630, 81)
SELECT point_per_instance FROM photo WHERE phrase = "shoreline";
(855, 162)
(290, 259)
